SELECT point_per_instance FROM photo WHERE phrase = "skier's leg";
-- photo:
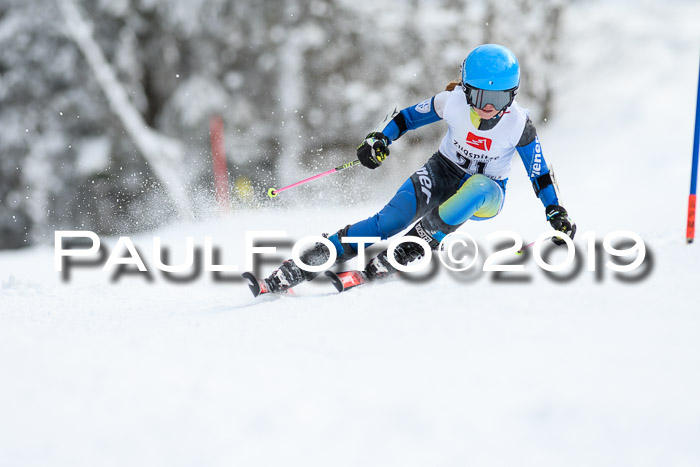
(424, 190)
(394, 217)
(478, 198)
(398, 214)
(429, 186)
(289, 274)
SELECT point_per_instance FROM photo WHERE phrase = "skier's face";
(487, 113)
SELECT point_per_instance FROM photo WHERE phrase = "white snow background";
(442, 373)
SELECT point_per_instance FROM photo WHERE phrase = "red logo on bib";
(478, 142)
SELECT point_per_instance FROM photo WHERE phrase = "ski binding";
(346, 280)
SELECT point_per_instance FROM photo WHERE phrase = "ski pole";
(522, 250)
(273, 192)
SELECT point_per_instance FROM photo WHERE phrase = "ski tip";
(253, 283)
(335, 280)
(259, 287)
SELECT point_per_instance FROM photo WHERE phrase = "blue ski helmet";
(490, 67)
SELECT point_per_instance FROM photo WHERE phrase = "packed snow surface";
(457, 369)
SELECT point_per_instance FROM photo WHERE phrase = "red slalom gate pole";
(218, 156)
(690, 232)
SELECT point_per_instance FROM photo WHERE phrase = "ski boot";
(289, 274)
(379, 267)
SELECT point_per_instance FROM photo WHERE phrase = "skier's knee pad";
(493, 199)
(478, 198)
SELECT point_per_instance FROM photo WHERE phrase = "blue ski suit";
(466, 178)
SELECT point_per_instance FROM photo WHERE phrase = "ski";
(346, 280)
(259, 287)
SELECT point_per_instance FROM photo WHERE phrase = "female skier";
(465, 179)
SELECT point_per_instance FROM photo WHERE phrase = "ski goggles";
(480, 98)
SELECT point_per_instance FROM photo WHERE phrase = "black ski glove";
(373, 150)
(559, 220)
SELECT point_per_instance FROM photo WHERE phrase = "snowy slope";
(456, 371)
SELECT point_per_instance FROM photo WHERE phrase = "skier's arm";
(530, 152)
(374, 149)
(543, 183)
(421, 114)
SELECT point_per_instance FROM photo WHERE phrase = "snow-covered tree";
(298, 84)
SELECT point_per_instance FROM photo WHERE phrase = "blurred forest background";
(105, 105)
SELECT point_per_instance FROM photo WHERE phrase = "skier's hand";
(373, 150)
(559, 220)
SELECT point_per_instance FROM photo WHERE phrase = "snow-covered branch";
(163, 154)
